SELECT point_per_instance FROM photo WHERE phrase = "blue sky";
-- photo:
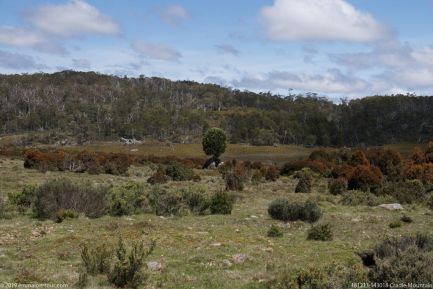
(336, 48)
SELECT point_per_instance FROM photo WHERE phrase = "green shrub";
(165, 203)
(158, 177)
(64, 214)
(275, 231)
(331, 276)
(23, 200)
(221, 203)
(359, 198)
(321, 232)
(197, 201)
(233, 182)
(406, 219)
(55, 195)
(283, 210)
(430, 202)
(395, 224)
(2, 208)
(310, 212)
(127, 270)
(337, 186)
(304, 185)
(178, 172)
(214, 143)
(404, 260)
(128, 199)
(405, 192)
(96, 260)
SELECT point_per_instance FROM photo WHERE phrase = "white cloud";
(399, 63)
(18, 61)
(320, 20)
(18, 37)
(228, 49)
(173, 15)
(75, 18)
(332, 81)
(156, 51)
(81, 63)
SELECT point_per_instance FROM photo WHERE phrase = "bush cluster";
(304, 184)
(359, 198)
(405, 192)
(404, 260)
(124, 268)
(284, 210)
(329, 277)
(55, 195)
(274, 231)
(84, 161)
(179, 172)
(337, 186)
(320, 232)
(221, 203)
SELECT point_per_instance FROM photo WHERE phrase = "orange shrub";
(365, 178)
(418, 156)
(389, 162)
(272, 173)
(319, 167)
(343, 171)
(359, 158)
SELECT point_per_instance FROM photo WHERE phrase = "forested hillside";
(90, 106)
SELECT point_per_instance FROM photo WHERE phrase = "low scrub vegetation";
(284, 210)
(123, 267)
(62, 194)
(404, 260)
(274, 231)
(320, 232)
(221, 203)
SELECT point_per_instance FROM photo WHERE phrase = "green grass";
(195, 251)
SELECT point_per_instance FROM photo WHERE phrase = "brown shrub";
(422, 172)
(343, 171)
(158, 177)
(272, 173)
(365, 178)
(319, 167)
(418, 156)
(359, 158)
(292, 166)
(389, 162)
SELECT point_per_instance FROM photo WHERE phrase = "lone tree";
(214, 144)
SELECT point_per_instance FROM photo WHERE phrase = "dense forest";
(88, 106)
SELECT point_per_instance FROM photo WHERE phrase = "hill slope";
(91, 106)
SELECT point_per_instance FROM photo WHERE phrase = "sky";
(335, 48)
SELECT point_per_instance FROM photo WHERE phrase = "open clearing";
(195, 251)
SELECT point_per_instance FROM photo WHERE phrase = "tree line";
(89, 106)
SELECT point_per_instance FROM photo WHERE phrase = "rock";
(239, 258)
(268, 249)
(253, 217)
(227, 263)
(391, 207)
(154, 265)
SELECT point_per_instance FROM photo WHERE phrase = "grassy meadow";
(194, 251)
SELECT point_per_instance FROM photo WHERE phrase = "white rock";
(154, 265)
(391, 207)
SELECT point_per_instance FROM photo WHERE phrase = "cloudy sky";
(337, 48)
